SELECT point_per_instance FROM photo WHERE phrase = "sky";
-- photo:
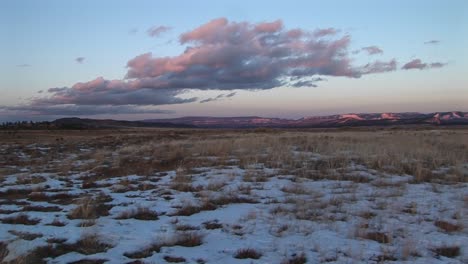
(163, 59)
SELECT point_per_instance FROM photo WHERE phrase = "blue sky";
(42, 39)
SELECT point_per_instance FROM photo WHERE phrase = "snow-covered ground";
(282, 216)
(220, 213)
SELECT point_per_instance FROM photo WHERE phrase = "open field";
(234, 196)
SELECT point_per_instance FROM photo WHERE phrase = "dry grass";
(417, 152)
(186, 228)
(437, 156)
(379, 237)
(90, 208)
(88, 244)
(190, 209)
(57, 222)
(20, 219)
(40, 208)
(25, 235)
(447, 251)
(296, 259)
(3, 250)
(141, 213)
(184, 239)
(247, 253)
(212, 225)
(89, 261)
(447, 226)
(172, 259)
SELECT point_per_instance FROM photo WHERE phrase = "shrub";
(446, 226)
(174, 259)
(20, 219)
(141, 213)
(246, 253)
(186, 239)
(447, 251)
(296, 259)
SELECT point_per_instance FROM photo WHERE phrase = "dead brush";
(449, 251)
(190, 209)
(141, 213)
(295, 259)
(15, 193)
(212, 225)
(380, 237)
(186, 227)
(247, 253)
(88, 244)
(57, 198)
(3, 250)
(40, 208)
(294, 188)
(255, 176)
(20, 219)
(230, 198)
(25, 235)
(184, 239)
(171, 259)
(447, 226)
(30, 180)
(90, 208)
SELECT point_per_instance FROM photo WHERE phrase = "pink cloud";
(208, 31)
(325, 32)
(269, 27)
(224, 55)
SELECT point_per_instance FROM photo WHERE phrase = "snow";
(328, 231)
(388, 116)
(352, 116)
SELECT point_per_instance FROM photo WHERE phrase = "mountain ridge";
(338, 120)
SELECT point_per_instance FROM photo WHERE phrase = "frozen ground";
(328, 221)
(214, 214)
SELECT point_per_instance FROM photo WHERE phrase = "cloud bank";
(219, 55)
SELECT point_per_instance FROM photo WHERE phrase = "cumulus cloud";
(157, 30)
(228, 55)
(80, 59)
(418, 64)
(220, 55)
(112, 92)
(434, 41)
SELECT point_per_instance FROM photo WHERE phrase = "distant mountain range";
(330, 121)
(365, 119)
(85, 123)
